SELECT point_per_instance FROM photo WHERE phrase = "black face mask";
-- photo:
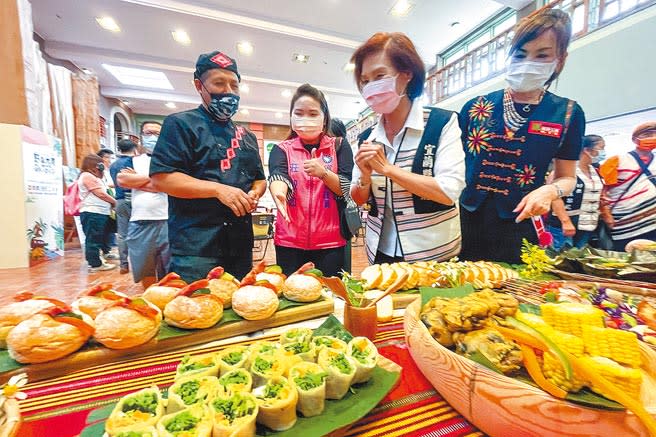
(100, 167)
(222, 105)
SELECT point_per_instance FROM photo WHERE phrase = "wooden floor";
(64, 278)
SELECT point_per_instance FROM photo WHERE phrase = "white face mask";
(524, 76)
(307, 127)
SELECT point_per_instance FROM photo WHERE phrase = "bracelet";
(325, 173)
(361, 185)
(559, 191)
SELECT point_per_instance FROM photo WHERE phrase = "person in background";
(110, 234)
(212, 171)
(512, 135)
(127, 149)
(148, 237)
(308, 172)
(574, 218)
(106, 155)
(95, 207)
(629, 197)
(411, 171)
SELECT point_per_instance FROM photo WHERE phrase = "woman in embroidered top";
(411, 171)
(308, 172)
(512, 135)
(574, 218)
(629, 198)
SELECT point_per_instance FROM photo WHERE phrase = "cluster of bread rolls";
(38, 329)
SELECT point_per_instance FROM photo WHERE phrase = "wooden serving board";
(98, 355)
(503, 406)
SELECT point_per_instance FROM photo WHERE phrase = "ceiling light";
(139, 77)
(244, 112)
(349, 67)
(108, 23)
(286, 93)
(245, 48)
(125, 102)
(170, 105)
(301, 59)
(181, 36)
(401, 8)
(278, 114)
(244, 88)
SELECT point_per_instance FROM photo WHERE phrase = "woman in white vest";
(410, 170)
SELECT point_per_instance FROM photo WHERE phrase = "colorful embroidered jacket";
(506, 166)
(313, 213)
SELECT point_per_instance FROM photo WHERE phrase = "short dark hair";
(126, 145)
(308, 90)
(103, 152)
(402, 54)
(534, 25)
(148, 122)
(589, 141)
(337, 128)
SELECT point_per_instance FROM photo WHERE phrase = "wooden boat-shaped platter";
(502, 406)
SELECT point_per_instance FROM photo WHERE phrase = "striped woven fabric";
(59, 407)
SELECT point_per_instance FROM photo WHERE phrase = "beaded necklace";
(512, 119)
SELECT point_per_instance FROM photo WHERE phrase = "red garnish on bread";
(86, 329)
(304, 268)
(172, 280)
(267, 284)
(216, 273)
(189, 289)
(249, 279)
(139, 305)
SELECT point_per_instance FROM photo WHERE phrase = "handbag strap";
(633, 181)
(643, 166)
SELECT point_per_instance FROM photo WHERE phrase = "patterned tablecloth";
(59, 407)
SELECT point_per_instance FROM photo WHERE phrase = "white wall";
(609, 72)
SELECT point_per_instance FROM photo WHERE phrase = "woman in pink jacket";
(309, 172)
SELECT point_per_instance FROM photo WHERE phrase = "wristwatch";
(362, 185)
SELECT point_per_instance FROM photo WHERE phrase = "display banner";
(44, 208)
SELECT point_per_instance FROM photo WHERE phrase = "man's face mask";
(148, 142)
(222, 105)
(100, 167)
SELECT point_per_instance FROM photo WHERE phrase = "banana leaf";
(337, 413)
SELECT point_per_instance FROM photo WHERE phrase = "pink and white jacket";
(312, 208)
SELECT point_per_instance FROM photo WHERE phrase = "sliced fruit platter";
(557, 366)
(45, 337)
(288, 387)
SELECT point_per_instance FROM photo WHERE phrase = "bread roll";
(254, 302)
(42, 338)
(14, 313)
(302, 288)
(224, 288)
(119, 327)
(276, 279)
(160, 295)
(94, 305)
(198, 312)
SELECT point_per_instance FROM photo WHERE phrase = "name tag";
(545, 128)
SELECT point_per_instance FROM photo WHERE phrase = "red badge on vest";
(545, 128)
(225, 164)
(221, 60)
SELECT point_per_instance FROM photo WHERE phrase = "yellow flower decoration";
(12, 388)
